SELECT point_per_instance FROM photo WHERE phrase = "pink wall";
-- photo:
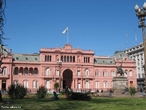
(74, 60)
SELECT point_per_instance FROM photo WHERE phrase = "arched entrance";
(67, 78)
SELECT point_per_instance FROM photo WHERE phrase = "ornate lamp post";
(141, 13)
(60, 82)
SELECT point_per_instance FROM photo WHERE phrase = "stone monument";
(120, 82)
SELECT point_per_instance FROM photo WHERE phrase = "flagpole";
(67, 36)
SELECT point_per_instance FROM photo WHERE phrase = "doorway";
(67, 78)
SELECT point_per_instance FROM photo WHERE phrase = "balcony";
(48, 76)
(84, 76)
(4, 76)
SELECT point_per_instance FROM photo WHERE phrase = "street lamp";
(141, 13)
(60, 83)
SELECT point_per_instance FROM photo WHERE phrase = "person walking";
(67, 91)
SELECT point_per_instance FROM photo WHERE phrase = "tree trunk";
(1, 99)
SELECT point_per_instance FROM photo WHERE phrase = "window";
(86, 59)
(4, 71)
(47, 71)
(97, 84)
(35, 71)
(143, 76)
(86, 72)
(26, 71)
(126, 71)
(48, 58)
(25, 84)
(105, 73)
(26, 58)
(78, 73)
(79, 86)
(96, 73)
(15, 71)
(87, 85)
(130, 73)
(35, 84)
(48, 84)
(15, 82)
(57, 72)
(113, 73)
(105, 85)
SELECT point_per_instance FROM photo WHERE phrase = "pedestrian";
(55, 96)
(143, 93)
(67, 91)
(110, 94)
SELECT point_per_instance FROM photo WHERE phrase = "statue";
(120, 70)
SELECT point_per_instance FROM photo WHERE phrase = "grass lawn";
(99, 103)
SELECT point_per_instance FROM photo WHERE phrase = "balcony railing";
(4, 76)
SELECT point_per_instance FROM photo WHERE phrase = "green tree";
(56, 85)
(132, 91)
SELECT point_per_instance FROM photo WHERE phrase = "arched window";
(126, 74)
(26, 71)
(87, 84)
(130, 73)
(105, 84)
(25, 83)
(105, 73)
(35, 84)
(97, 84)
(4, 71)
(97, 73)
(86, 72)
(15, 71)
(35, 71)
(113, 73)
(47, 71)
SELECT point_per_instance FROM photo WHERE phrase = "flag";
(66, 29)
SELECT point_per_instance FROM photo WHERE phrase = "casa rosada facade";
(76, 68)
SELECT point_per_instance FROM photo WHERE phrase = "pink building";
(80, 69)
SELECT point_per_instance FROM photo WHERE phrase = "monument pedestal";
(119, 84)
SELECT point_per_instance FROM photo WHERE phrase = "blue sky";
(103, 26)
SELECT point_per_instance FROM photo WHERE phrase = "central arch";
(67, 78)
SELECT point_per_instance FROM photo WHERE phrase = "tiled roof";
(26, 57)
(108, 61)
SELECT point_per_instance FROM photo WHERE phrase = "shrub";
(62, 92)
(41, 92)
(56, 86)
(16, 91)
(79, 96)
(132, 91)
